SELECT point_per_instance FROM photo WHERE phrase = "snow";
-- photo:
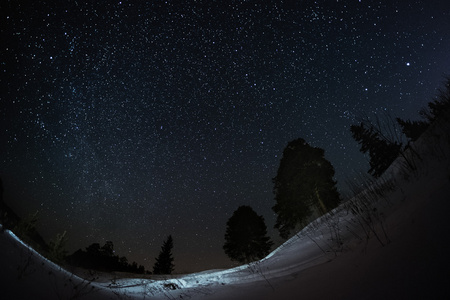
(331, 258)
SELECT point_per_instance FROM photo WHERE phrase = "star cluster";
(132, 120)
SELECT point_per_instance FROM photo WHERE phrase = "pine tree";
(381, 151)
(304, 183)
(164, 262)
(412, 129)
(246, 237)
(440, 107)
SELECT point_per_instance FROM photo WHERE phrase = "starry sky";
(132, 120)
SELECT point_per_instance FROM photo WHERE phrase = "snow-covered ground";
(394, 247)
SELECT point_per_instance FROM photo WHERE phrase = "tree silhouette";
(107, 249)
(93, 249)
(246, 237)
(440, 107)
(163, 264)
(304, 183)
(103, 259)
(412, 129)
(382, 152)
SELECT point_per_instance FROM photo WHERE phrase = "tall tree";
(164, 262)
(382, 152)
(304, 183)
(246, 237)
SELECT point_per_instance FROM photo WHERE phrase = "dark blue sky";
(129, 121)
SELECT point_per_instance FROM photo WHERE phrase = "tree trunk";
(321, 204)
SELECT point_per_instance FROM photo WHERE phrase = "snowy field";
(388, 242)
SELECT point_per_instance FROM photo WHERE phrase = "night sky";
(132, 120)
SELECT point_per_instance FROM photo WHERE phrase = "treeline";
(103, 259)
(95, 257)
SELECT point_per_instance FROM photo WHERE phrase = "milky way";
(129, 121)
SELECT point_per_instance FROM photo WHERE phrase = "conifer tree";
(304, 183)
(164, 262)
(381, 151)
(440, 107)
(412, 129)
(246, 237)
